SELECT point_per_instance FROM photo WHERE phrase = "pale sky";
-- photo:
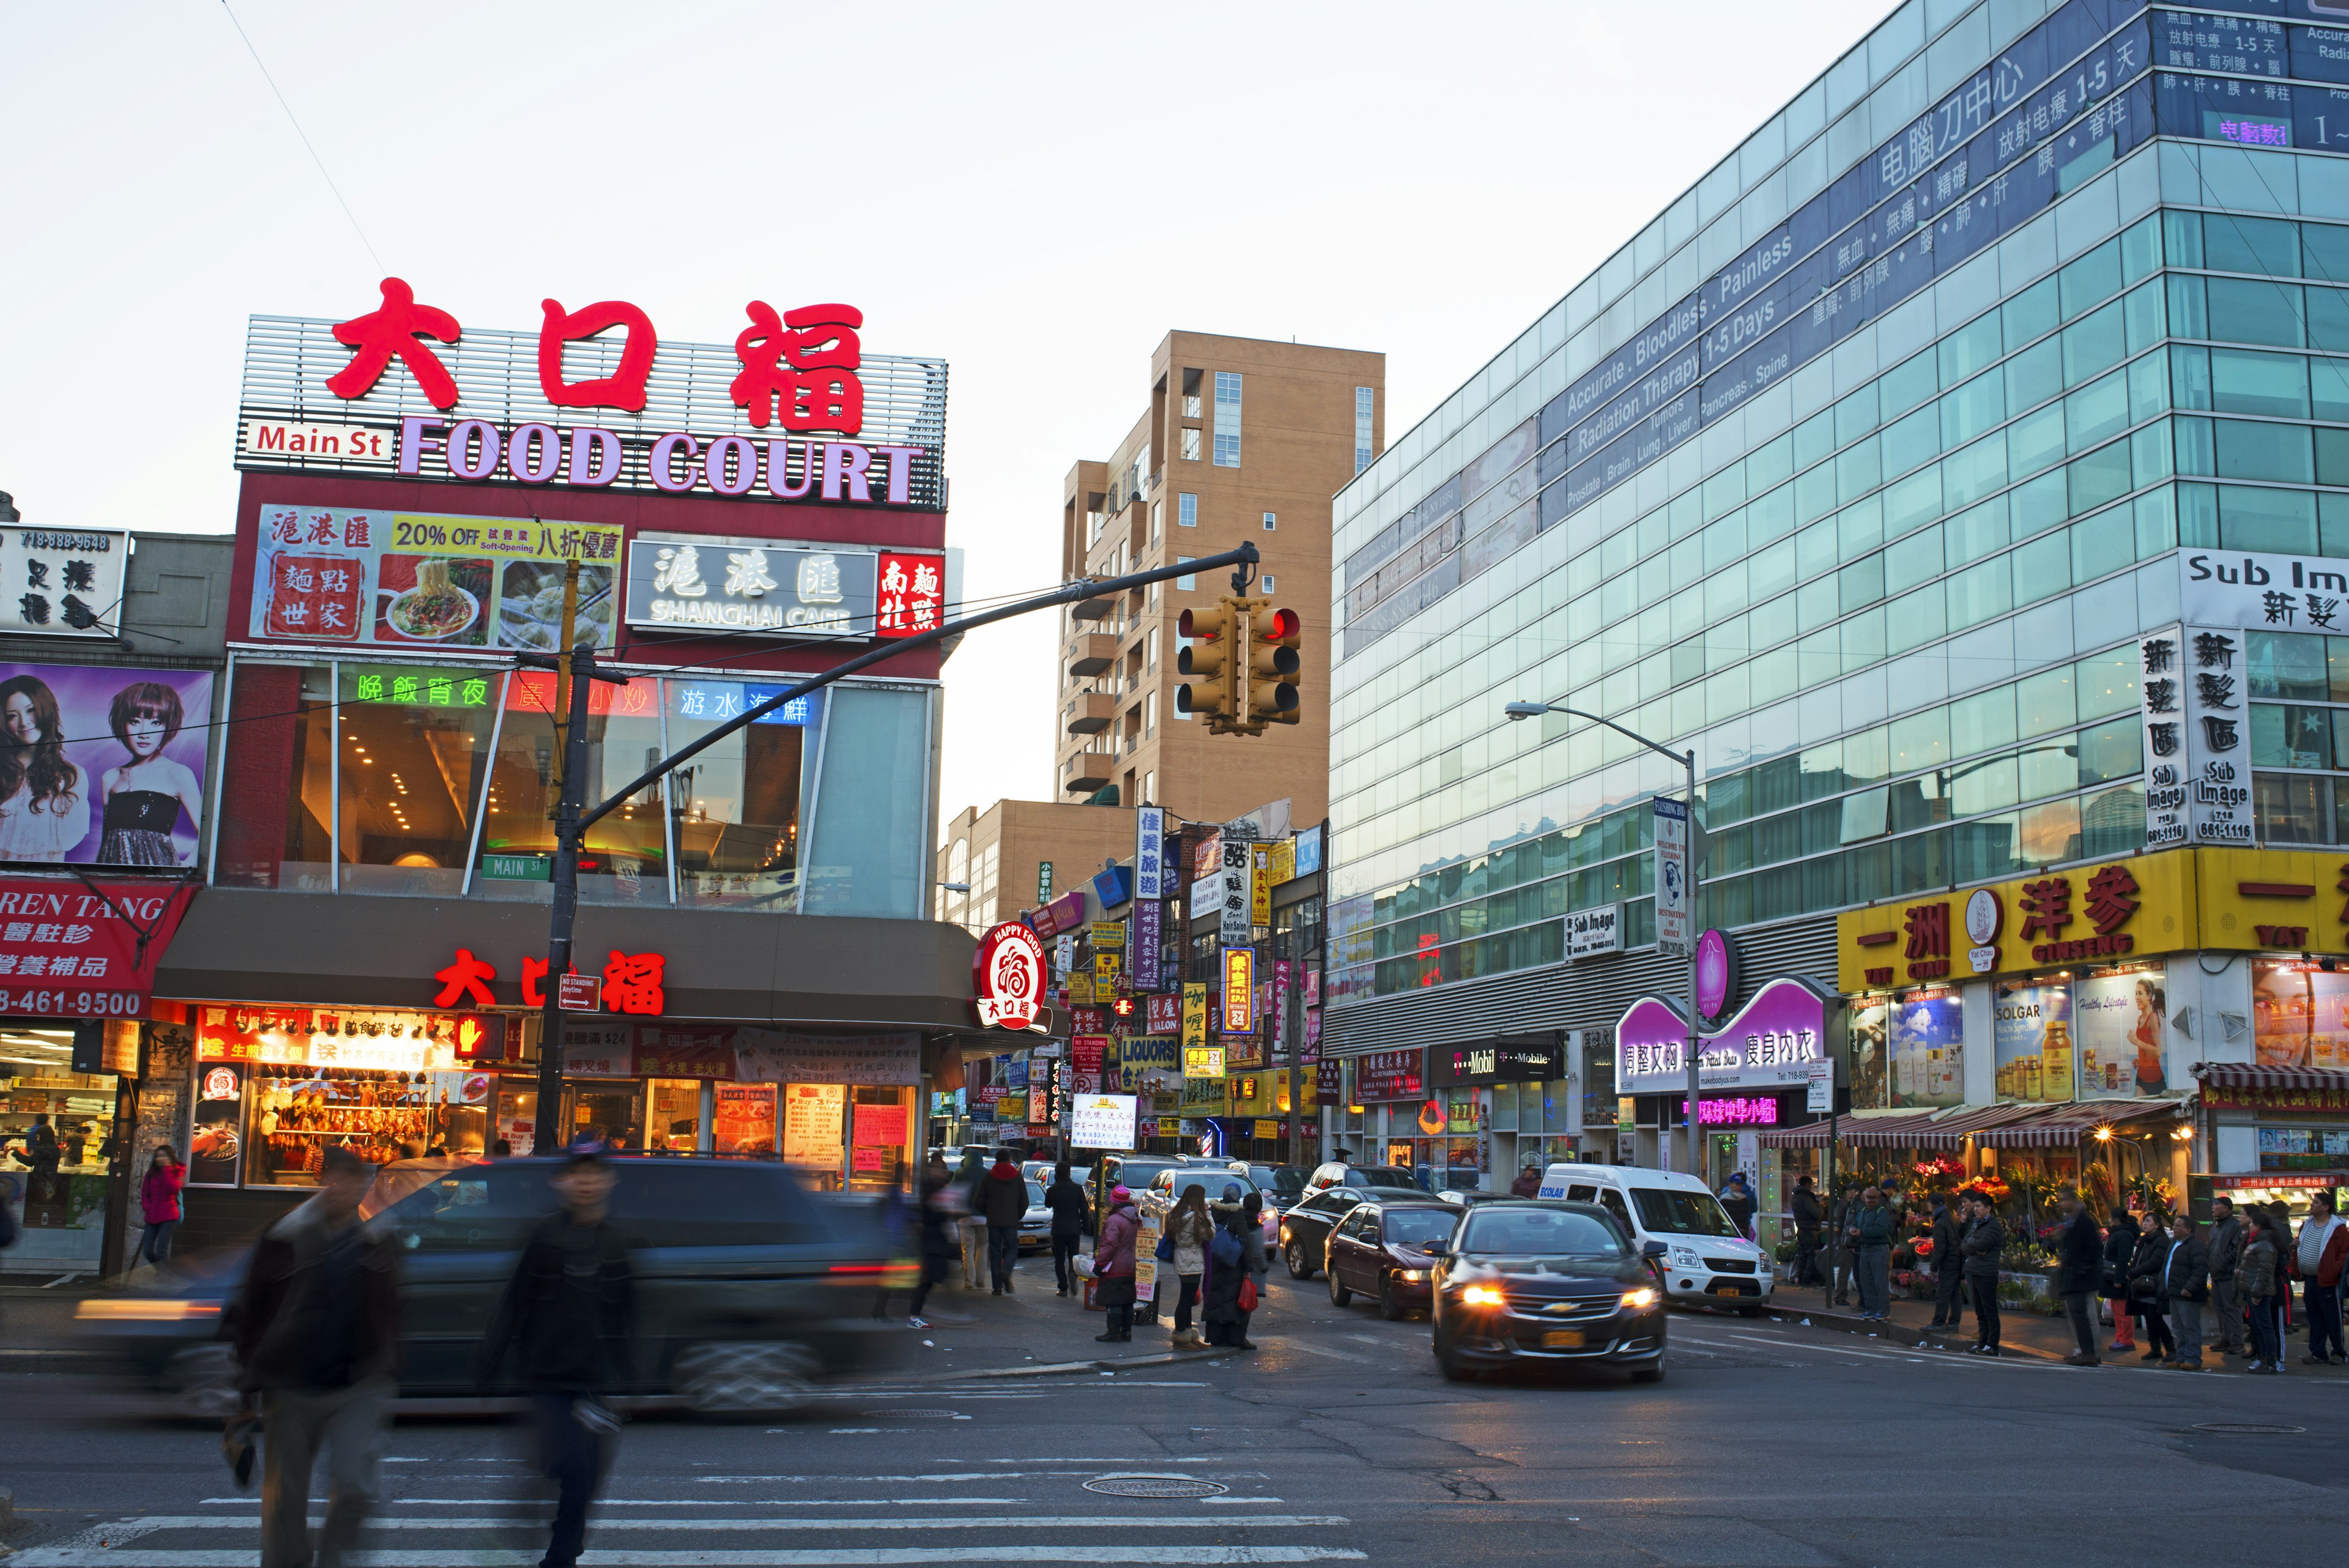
(1036, 193)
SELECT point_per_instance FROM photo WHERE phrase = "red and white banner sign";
(75, 949)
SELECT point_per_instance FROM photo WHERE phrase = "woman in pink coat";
(159, 1204)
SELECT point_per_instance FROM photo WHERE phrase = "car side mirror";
(1655, 1250)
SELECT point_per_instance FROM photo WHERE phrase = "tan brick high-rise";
(1242, 440)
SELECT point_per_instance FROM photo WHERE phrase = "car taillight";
(859, 1268)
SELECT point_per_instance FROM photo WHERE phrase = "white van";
(1705, 1263)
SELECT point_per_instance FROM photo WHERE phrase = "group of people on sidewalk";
(2164, 1278)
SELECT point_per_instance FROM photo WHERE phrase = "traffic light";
(1211, 687)
(1273, 665)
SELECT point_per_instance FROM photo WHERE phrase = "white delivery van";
(1705, 1262)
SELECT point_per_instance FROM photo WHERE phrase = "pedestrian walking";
(1949, 1264)
(1188, 1232)
(317, 1332)
(2080, 1271)
(1003, 1204)
(2185, 1286)
(2144, 1290)
(1114, 1265)
(2120, 1246)
(2227, 1229)
(938, 1241)
(1066, 1199)
(1846, 1211)
(568, 1313)
(2257, 1284)
(1737, 1199)
(1984, 1240)
(1235, 1268)
(1870, 1236)
(1528, 1183)
(159, 1204)
(971, 1223)
(1809, 1214)
(2324, 1246)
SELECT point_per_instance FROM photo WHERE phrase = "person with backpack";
(1189, 1232)
(1113, 1285)
(1003, 1204)
(1235, 1268)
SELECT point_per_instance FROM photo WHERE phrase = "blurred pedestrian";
(2120, 1246)
(1235, 1268)
(1984, 1240)
(317, 1331)
(1809, 1214)
(938, 1235)
(1066, 1199)
(1003, 1204)
(2257, 1284)
(159, 1203)
(2080, 1255)
(1845, 1211)
(2227, 1229)
(1869, 1233)
(1949, 1264)
(2324, 1246)
(2275, 1219)
(970, 1185)
(2185, 1286)
(1190, 1230)
(2144, 1290)
(1114, 1265)
(1738, 1200)
(569, 1312)
(1528, 1182)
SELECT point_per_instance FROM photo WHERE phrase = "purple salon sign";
(1715, 972)
(1766, 1046)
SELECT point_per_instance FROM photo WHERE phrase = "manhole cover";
(2255, 1428)
(918, 1415)
(1140, 1485)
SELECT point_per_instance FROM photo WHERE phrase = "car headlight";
(1633, 1301)
(1684, 1257)
(1482, 1295)
(1413, 1276)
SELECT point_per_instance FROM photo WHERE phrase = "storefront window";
(414, 741)
(610, 1112)
(737, 807)
(2300, 1014)
(2031, 1034)
(674, 1120)
(56, 1190)
(1927, 1032)
(276, 820)
(870, 854)
(625, 860)
(1598, 1102)
(2304, 1148)
(2118, 1021)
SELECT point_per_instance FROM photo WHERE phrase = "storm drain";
(918, 1415)
(1138, 1484)
(2247, 1429)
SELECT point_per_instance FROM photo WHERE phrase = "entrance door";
(613, 1112)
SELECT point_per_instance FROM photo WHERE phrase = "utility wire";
(306, 137)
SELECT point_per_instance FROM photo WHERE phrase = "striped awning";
(2061, 1126)
(1951, 1128)
(1864, 1132)
(2244, 1076)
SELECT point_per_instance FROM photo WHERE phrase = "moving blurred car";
(1303, 1236)
(1538, 1283)
(1386, 1249)
(747, 1287)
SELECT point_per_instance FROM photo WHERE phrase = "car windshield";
(1035, 1195)
(1213, 1181)
(1669, 1214)
(1281, 1179)
(1379, 1176)
(1543, 1231)
(1417, 1226)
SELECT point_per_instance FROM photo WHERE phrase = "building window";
(1174, 712)
(1227, 418)
(1093, 521)
(1268, 582)
(1191, 405)
(1186, 511)
(1149, 650)
(1271, 521)
(1157, 519)
(1149, 719)
(1149, 787)
(1188, 580)
(1365, 398)
(1191, 437)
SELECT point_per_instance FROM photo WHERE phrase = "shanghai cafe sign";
(410, 394)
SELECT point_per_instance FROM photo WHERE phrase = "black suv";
(748, 1285)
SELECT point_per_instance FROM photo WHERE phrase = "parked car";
(1704, 1260)
(1532, 1282)
(1281, 1185)
(1303, 1236)
(1035, 1225)
(1337, 1173)
(1132, 1171)
(1385, 1249)
(748, 1287)
(1467, 1196)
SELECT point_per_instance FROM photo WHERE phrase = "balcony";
(1091, 653)
(1089, 771)
(1089, 713)
(1094, 608)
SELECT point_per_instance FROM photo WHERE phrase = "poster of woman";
(2120, 1028)
(102, 764)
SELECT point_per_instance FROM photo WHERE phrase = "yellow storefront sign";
(1265, 1129)
(1081, 988)
(1260, 883)
(1203, 1096)
(2178, 901)
(1195, 1017)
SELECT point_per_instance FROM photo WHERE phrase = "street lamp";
(1686, 760)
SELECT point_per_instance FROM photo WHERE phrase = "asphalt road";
(1336, 1441)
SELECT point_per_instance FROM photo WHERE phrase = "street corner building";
(1960, 470)
(284, 880)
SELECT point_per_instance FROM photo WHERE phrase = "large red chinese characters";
(802, 363)
(624, 387)
(392, 331)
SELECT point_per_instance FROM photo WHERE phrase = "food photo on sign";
(102, 764)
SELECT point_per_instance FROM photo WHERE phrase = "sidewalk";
(2021, 1332)
(979, 1334)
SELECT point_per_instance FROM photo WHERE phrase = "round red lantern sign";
(1007, 977)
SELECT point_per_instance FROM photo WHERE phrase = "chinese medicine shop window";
(736, 808)
(415, 743)
(624, 858)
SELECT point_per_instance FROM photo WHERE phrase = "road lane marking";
(128, 1530)
(1325, 1350)
(254, 1502)
(927, 1557)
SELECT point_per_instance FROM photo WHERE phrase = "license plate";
(1562, 1339)
(1727, 1291)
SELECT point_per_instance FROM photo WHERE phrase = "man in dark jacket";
(1809, 1214)
(2258, 1283)
(1066, 1199)
(569, 1313)
(2185, 1286)
(1984, 1238)
(2226, 1250)
(317, 1331)
(1870, 1232)
(2080, 1251)
(1948, 1268)
(1002, 1203)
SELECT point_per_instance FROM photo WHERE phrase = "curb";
(1895, 1333)
(1066, 1368)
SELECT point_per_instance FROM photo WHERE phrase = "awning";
(2061, 1126)
(1862, 1131)
(2244, 1076)
(1952, 1128)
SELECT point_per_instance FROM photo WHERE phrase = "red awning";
(1869, 1132)
(2061, 1126)
(2244, 1076)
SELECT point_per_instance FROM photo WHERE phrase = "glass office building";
(1860, 471)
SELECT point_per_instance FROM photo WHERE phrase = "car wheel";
(1298, 1268)
(1339, 1294)
(743, 1379)
(1650, 1374)
(202, 1383)
(1446, 1363)
(1389, 1308)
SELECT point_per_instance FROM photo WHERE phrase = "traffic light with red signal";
(1241, 665)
